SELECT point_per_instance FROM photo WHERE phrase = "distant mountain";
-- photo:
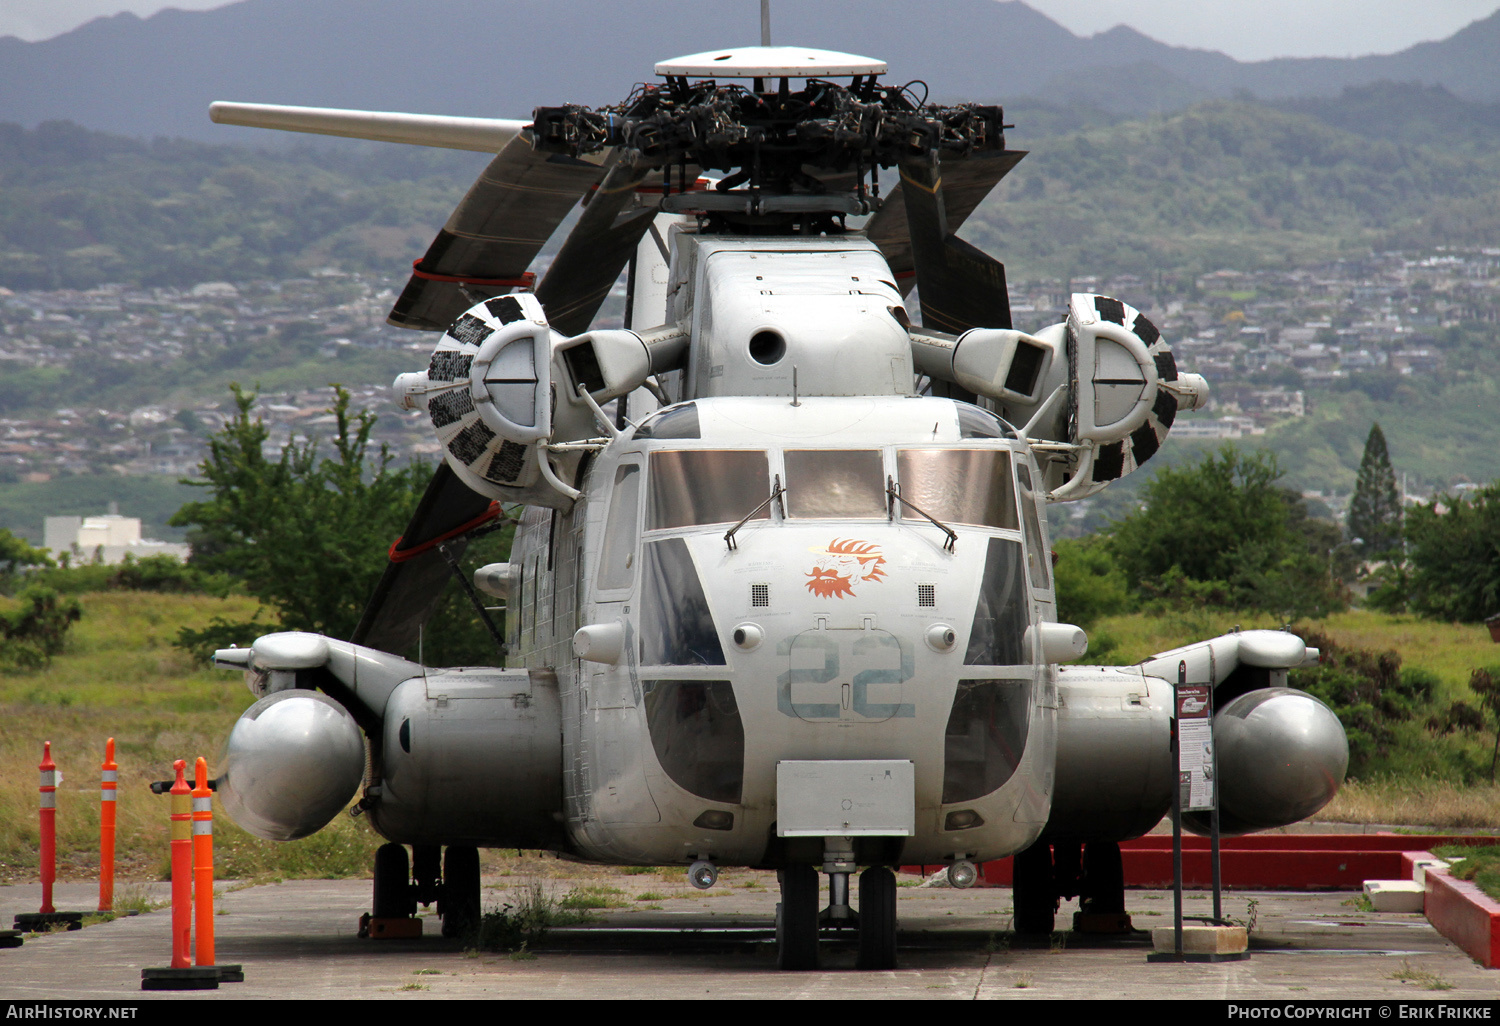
(503, 57)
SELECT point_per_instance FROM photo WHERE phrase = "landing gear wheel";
(1103, 879)
(877, 919)
(393, 897)
(459, 904)
(797, 919)
(1033, 893)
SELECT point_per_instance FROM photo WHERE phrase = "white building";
(110, 536)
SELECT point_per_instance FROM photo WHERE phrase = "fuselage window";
(707, 486)
(834, 483)
(617, 557)
(959, 486)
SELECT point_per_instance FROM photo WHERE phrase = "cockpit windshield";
(706, 486)
(694, 487)
(959, 486)
(834, 483)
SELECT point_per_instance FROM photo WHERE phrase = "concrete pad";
(1395, 895)
(297, 940)
(1202, 940)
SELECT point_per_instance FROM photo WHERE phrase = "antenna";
(765, 22)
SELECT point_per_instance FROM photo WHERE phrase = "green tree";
(306, 535)
(1453, 556)
(1374, 522)
(36, 629)
(1223, 532)
(16, 555)
(309, 536)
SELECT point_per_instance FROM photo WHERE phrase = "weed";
(1252, 910)
(522, 955)
(414, 986)
(524, 923)
(1059, 942)
(653, 908)
(1360, 902)
(1411, 974)
(1022, 982)
(640, 870)
(427, 972)
(650, 896)
(134, 897)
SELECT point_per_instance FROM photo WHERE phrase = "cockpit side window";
(834, 483)
(706, 486)
(617, 556)
(1037, 558)
(961, 486)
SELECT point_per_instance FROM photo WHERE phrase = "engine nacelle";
(1282, 755)
(292, 762)
(1114, 762)
(472, 756)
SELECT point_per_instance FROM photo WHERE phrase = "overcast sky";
(1241, 28)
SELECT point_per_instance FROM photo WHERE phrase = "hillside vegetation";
(1223, 183)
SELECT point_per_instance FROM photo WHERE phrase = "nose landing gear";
(798, 919)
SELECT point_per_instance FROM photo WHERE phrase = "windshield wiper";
(776, 492)
(893, 496)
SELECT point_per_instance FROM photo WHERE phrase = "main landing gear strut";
(798, 920)
(452, 881)
(1045, 873)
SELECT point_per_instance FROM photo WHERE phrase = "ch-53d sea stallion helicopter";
(780, 594)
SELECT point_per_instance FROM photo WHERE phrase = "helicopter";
(781, 592)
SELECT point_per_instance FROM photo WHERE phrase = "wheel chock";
(390, 928)
(1102, 922)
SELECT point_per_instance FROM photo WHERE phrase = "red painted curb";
(1270, 862)
(1464, 914)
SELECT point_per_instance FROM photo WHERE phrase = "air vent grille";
(927, 595)
(760, 594)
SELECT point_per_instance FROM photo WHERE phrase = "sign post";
(1196, 790)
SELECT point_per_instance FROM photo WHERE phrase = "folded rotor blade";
(961, 286)
(966, 182)
(482, 135)
(493, 234)
(409, 590)
(597, 249)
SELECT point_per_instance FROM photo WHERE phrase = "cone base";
(193, 977)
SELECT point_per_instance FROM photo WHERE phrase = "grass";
(584, 898)
(1425, 800)
(1448, 650)
(120, 677)
(1479, 864)
(1413, 974)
